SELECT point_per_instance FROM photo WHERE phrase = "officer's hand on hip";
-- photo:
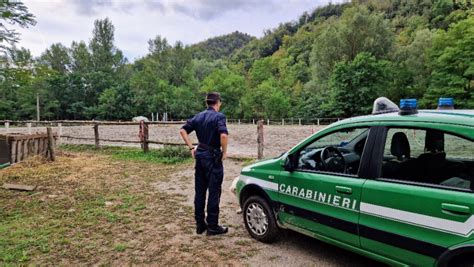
(224, 155)
(193, 152)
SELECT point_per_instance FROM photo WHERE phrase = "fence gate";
(18, 147)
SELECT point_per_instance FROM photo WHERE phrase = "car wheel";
(260, 220)
(464, 262)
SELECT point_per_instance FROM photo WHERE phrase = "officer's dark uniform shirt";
(209, 125)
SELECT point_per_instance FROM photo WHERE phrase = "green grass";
(166, 155)
(32, 227)
(120, 247)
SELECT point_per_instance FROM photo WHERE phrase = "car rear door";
(415, 218)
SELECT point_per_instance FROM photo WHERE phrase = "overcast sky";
(137, 21)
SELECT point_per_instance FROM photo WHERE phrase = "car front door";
(324, 200)
(422, 201)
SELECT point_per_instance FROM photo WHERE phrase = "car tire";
(464, 262)
(260, 220)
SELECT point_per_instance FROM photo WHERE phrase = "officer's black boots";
(217, 230)
(201, 228)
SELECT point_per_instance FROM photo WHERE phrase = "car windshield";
(340, 138)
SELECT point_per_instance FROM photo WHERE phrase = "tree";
(107, 62)
(102, 45)
(231, 86)
(16, 91)
(453, 65)
(81, 59)
(262, 70)
(57, 58)
(158, 45)
(356, 84)
(266, 101)
(116, 103)
(220, 47)
(332, 61)
(13, 13)
(412, 67)
(357, 30)
(184, 102)
(202, 68)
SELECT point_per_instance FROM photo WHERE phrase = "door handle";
(344, 190)
(456, 209)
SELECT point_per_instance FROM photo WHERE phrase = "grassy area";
(75, 209)
(29, 228)
(112, 206)
(166, 155)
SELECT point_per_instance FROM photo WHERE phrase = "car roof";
(452, 117)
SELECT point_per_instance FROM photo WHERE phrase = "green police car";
(396, 186)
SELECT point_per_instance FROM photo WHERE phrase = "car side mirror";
(289, 163)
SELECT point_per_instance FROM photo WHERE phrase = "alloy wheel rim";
(257, 220)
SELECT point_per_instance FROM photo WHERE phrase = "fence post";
(239, 121)
(28, 124)
(268, 121)
(7, 125)
(96, 136)
(282, 121)
(51, 153)
(145, 137)
(60, 131)
(152, 117)
(299, 122)
(318, 122)
(260, 139)
(253, 121)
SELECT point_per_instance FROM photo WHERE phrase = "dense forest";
(332, 61)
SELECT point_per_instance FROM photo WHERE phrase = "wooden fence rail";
(143, 133)
(9, 122)
(125, 141)
(284, 121)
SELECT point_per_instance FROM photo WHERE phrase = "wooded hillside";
(332, 61)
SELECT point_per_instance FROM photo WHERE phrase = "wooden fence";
(142, 128)
(23, 146)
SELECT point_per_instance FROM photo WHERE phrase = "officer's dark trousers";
(208, 177)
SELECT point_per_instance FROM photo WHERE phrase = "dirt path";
(292, 250)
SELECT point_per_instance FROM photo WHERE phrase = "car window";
(429, 157)
(458, 148)
(338, 152)
(415, 137)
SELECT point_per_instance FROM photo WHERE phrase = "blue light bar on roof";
(446, 103)
(408, 106)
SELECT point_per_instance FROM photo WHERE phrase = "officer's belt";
(207, 147)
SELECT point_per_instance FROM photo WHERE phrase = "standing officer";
(211, 131)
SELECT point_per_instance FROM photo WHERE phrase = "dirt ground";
(242, 138)
(92, 209)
